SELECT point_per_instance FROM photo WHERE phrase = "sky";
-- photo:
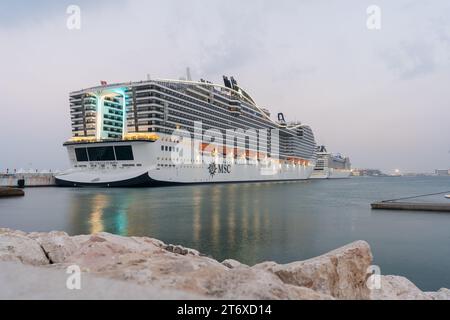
(382, 97)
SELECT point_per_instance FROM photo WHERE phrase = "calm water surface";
(257, 222)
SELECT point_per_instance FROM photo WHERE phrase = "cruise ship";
(330, 166)
(164, 132)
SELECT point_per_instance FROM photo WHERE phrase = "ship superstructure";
(330, 166)
(159, 132)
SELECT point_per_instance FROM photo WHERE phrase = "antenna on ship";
(188, 74)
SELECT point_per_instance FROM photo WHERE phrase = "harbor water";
(255, 222)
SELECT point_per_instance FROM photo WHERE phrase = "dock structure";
(397, 204)
(11, 192)
(27, 179)
(414, 206)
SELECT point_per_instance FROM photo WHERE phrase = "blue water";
(282, 222)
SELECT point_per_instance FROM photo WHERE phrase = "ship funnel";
(226, 82)
(234, 84)
(188, 74)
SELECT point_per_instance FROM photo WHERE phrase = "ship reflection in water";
(221, 220)
(256, 222)
(105, 213)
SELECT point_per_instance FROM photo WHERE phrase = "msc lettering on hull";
(218, 168)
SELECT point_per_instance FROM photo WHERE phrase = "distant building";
(367, 172)
(417, 174)
(355, 173)
(442, 172)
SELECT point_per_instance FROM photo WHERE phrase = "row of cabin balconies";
(112, 129)
(215, 123)
(173, 122)
(88, 125)
(202, 114)
(79, 115)
(147, 110)
(113, 117)
(81, 109)
(80, 133)
(235, 110)
(228, 102)
(113, 123)
(81, 120)
(111, 100)
(114, 106)
(156, 91)
(85, 100)
(195, 95)
(116, 112)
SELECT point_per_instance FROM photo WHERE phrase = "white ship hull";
(331, 173)
(320, 174)
(339, 173)
(153, 167)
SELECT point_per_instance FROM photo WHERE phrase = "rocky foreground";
(34, 265)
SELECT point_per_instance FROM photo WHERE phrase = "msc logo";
(218, 168)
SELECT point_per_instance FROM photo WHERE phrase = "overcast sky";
(380, 96)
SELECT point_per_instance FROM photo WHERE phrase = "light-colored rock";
(340, 273)
(157, 270)
(141, 261)
(231, 263)
(11, 231)
(19, 281)
(441, 294)
(180, 249)
(56, 244)
(102, 251)
(147, 263)
(15, 246)
(247, 283)
(302, 293)
(398, 288)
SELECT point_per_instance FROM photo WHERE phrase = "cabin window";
(124, 153)
(81, 154)
(101, 154)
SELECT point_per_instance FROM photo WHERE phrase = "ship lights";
(141, 136)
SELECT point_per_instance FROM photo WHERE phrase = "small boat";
(447, 196)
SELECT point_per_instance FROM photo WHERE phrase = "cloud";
(420, 43)
(411, 60)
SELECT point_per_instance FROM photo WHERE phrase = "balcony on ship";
(235, 107)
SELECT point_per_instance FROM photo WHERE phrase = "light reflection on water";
(99, 202)
(257, 222)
